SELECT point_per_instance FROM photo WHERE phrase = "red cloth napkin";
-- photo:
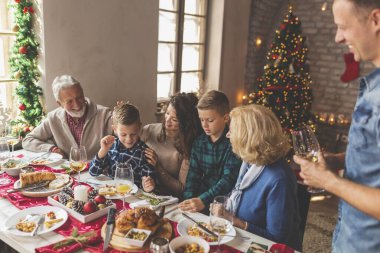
(74, 246)
(281, 248)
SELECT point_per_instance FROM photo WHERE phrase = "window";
(7, 85)
(181, 46)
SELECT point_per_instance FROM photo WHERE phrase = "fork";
(39, 223)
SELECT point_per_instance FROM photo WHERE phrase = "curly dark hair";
(185, 105)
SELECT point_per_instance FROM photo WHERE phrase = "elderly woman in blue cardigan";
(264, 199)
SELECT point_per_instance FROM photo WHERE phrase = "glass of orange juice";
(124, 180)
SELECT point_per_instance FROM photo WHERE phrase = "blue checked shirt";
(119, 154)
(213, 169)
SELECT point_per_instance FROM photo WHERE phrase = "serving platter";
(43, 191)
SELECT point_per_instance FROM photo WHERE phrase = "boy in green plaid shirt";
(214, 168)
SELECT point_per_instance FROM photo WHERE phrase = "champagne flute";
(78, 159)
(4, 155)
(12, 137)
(218, 219)
(305, 144)
(124, 180)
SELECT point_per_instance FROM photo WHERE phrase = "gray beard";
(77, 114)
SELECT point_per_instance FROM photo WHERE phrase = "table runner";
(23, 202)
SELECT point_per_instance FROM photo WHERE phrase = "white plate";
(14, 219)
(43, 191)
(118, 196)
(184, 224)
(51, 158)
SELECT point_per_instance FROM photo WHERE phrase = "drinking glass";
(4, 155)
(218, 221)
(78, 160)
(124, 180)
(12, 137)
(306, 145)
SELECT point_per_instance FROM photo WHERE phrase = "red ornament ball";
(22, 107)
(25, 10)
(89, 207)
(31, 10)
(26, 129)
(22, 50)
(18, 1)
(282, 26)
(100, 199)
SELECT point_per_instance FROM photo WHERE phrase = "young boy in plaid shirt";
(125, 148)
(214, 168)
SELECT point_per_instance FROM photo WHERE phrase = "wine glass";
(12, 137)
(218, 219)
(124, 180)
(306, 145)
(4, 155)
(78, 159)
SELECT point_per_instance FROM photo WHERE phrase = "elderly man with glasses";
(77, 122)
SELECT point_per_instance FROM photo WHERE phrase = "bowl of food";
(137, 237)
(13, 166)
(188, 244)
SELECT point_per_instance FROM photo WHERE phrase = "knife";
(200, 225)
(29, 187)
(109, 227)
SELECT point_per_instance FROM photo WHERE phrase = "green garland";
(24, 67)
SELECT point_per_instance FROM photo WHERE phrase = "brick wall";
(325, 56)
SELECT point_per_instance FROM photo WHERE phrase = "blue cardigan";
(270, 205)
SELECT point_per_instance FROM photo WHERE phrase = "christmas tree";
(285, 85)
(24, 68)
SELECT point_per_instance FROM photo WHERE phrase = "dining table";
(29, 244)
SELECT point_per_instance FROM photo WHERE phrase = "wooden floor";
(320, 224)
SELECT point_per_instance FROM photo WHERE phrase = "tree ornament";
(15, 28)
(25, 10)
(18, 74)
(22, 50)
(18, 1)
(26, 129)
(31, 10)
(22, 107)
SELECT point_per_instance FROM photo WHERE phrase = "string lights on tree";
(24, 67)
(285, 85)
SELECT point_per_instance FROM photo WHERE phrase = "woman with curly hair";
(170, 142)
(264, 199)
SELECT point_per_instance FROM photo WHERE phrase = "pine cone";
(108, 202)
(92, 194)
(63, 198)
(78, 206)
(68, 191)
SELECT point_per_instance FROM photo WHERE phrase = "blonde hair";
(125, 113)
(256, 135)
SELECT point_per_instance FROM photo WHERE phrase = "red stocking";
(352, 68)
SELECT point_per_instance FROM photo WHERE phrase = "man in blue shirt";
(358, 227)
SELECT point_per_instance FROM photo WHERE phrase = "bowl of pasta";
(189, 244)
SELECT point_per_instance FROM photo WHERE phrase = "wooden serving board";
(119, 243)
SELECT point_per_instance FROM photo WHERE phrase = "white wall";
(227, 48)
(109, 46)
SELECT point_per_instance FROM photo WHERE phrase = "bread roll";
(35, 177)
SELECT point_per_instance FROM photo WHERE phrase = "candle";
(81, 193)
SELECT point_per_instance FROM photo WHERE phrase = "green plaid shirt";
(213, 169)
